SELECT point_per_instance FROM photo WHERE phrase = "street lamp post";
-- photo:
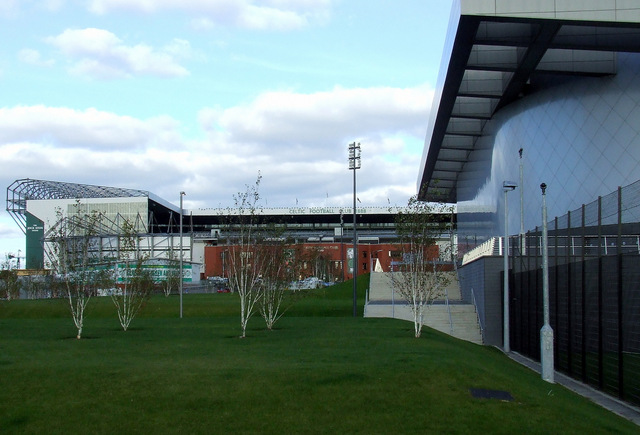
(546, 333)
(507, 187)
(522, 239)
(180, 273)
(354, 164)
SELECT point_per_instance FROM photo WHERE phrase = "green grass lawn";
(320, 371)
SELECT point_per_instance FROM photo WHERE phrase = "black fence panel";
(578, 326)
(610, 333)
(561, 317)
(631, 328)
(595, 316)
(594, 294)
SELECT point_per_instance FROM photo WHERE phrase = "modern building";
(323, 233)
(37, 205)
(534, 92)
(559, 80)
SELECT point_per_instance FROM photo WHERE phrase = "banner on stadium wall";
(159, 272)
(34, 235)
(350, 259)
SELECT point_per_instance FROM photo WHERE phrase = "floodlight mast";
(354, 164)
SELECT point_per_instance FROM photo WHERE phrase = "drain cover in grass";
(480, 393)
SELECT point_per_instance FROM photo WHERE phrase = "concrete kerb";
(610, 403)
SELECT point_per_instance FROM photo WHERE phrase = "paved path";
(614, 405)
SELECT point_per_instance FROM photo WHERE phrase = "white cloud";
(300, 140)
(101, 54)
(52, 5)
(33, 57)
(285, 119)
(17, 8)
(251, 14)
(9, 231)
(180, 48)
(297, 141)
(11, 237)
(88, 129)
(9, 8)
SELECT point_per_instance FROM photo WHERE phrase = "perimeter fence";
(594, 293)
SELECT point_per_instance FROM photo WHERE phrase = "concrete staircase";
(458, 319)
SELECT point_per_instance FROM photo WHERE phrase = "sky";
(201, 96)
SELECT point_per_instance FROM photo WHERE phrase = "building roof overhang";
(492, 52)
(22, 190)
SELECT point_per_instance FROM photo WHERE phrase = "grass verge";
(320, 371)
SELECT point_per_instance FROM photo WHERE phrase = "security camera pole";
(522, 239)
(507, 187)
(546, 333)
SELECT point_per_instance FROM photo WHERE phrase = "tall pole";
(180, 274)
(354, 164)
(522, 244)
(546, 333)
(507, 186)
(355, 249)
(342, 242)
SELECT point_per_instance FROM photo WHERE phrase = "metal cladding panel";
(34, 247)
(496, 50)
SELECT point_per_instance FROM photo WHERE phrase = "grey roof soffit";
(488, 62)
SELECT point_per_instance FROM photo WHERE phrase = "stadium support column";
(354, 164)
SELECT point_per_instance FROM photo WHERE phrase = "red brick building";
(324, 260)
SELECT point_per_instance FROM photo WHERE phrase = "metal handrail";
(366, 301)
(475, 304)
(485, 249)
(575, 244)
(446, 298)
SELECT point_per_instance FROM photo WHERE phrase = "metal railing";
(446, 298)
(594, 305)
(475, 304)
(485, 249)
(575, 245)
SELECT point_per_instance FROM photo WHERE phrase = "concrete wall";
(484, 276)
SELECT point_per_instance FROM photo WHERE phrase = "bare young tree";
(244, 261)
(317, 262)
(76, 260)
(37, 286)
(172, 277)
(418, 280)
(9, 281)
(277, 274)
(133, 282)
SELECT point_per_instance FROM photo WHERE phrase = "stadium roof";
(28, 189)
(493, 50)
